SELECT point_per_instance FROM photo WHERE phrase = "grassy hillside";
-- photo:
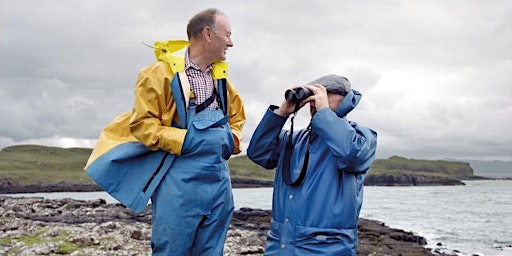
(243, 168)
(29, 164)
(398, 164)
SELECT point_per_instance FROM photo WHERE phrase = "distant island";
(35, 168)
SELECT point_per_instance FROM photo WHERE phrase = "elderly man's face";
(334, 101)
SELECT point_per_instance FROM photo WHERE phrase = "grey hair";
(205, 18)
(334, 84)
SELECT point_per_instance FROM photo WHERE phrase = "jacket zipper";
(155, 173)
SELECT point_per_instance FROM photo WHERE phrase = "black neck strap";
(285, 167)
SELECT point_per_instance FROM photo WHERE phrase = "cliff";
(403, 172)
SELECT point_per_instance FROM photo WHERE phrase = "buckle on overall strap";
(206, 103)
(215, 96)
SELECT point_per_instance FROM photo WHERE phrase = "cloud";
(435, 75)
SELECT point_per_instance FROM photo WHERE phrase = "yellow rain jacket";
(151, 120)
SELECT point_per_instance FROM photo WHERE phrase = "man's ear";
(207, 33)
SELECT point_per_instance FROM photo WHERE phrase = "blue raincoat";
(318, 217)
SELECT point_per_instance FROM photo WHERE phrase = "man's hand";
(319, 98)
(287, 107)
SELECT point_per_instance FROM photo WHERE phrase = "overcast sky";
(436, 76)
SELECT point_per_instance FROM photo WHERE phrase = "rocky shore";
(411, 179)
(37, 226)
(11, 187)
(8, 186)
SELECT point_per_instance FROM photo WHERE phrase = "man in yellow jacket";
(173, 146)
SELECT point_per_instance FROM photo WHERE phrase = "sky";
(436, 76)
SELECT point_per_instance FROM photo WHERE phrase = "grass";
(398, 165)
(243, 168)
(29, 164)
(65, 247)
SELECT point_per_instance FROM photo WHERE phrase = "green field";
(398, 164)
(243, 168)
(28, 164)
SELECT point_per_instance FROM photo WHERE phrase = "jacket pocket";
(327, 241)
(273, 246)
(205, 138)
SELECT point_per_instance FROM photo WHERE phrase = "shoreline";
(93, 227)
(12, 187)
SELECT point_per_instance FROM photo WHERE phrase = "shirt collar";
(190, 64)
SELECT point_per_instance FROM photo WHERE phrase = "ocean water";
(471, 219)
(475, 219)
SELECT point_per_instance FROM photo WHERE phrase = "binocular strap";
(285, 167)
(287, 177)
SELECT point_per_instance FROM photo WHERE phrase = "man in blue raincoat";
(318, 186)
(173, 146)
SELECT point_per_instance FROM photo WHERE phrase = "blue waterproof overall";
(193, 204)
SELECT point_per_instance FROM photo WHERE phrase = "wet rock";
(75, 227)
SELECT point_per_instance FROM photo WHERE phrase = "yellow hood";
(164, 52)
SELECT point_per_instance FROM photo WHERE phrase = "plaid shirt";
(201, 83)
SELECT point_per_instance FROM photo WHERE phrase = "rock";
(409, 179)
(75, 227)
(9, 187)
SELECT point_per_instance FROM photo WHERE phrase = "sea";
(474, 219)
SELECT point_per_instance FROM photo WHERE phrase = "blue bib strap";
(179, 99)
(223, 94)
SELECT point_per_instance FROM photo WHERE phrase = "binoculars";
(297, 95)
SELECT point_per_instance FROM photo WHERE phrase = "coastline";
(66, 226)
(12, 187)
